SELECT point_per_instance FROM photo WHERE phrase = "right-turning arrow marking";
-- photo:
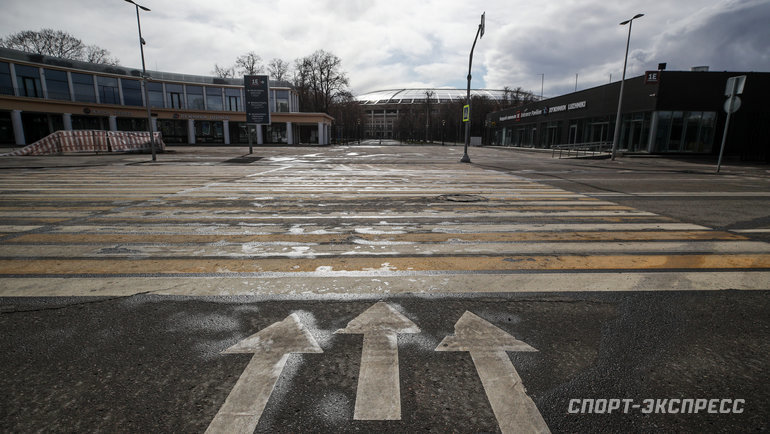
(378, 396)
(514, 410)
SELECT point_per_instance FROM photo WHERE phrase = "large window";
(57, 84)
(84, 87)
(108, 90)
(28, 80)
(131, 124)
(195, 98)
(233, 102)
(132, 92)
(155, 93)
(175, 94)
(6, 85)
(214, 98)
(679, 131)
(282, 101)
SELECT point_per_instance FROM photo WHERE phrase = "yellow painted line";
(474, 263)
(60, 238)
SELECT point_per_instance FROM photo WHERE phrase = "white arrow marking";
(378, 396)
(271, 347)
(514, 410)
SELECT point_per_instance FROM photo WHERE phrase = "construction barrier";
(91, 141)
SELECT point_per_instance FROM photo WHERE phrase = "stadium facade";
(40, 95)
(424, 113)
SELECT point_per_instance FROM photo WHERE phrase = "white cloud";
(400, 43)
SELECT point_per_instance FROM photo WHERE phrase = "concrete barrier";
(91, 141)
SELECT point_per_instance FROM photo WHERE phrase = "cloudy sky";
(387, 44)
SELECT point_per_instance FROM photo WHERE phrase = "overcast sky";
(387, 44)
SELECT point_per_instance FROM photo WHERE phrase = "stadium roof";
(439, 95)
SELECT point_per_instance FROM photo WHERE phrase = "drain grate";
(462, 198)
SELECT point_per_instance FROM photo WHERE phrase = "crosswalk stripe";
(364, 229)
(438, 263)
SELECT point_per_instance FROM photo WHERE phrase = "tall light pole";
(542, 84)
(479, 32)
(144, 77)
(616, 136)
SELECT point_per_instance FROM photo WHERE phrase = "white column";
(653, 132)
(226, 129)
(96, 89)
(43, 83)
(260, 138)
(320, 133)
(71, 86)
(14, 79)
(18, 127)
(113, 123)
(67, 118)
(289, 134)
(190, 132)
(120, 92)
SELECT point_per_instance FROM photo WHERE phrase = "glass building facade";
(185, 108)
(679, 112)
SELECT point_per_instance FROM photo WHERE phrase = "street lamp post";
(479, 32)
(443, 127)
(144, 76)
(616, 136)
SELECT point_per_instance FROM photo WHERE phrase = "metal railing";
(576, 150)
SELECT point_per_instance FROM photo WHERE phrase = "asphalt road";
(131, 291)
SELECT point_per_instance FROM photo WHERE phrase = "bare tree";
(96, 54)
(224, 71)
(322, 76)
(249, 64)
(57, 43)
(278, 69)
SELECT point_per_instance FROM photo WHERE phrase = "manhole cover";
(462, 198)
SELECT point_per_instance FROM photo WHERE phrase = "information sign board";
(257, 89)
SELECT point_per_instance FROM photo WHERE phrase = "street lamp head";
(138, 5)
(624, 22)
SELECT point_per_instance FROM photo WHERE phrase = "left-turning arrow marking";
(271, 347)
(378, 396)
(514, 410)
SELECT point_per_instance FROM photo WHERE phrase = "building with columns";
(40, 95)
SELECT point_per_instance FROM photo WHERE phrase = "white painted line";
(139, 215)
(685, 194)
(373, 248)
(311, 228)
(271, 347)
(751, 231)
(514, 409)
(378, 396)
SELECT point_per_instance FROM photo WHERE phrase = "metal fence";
(576, 150)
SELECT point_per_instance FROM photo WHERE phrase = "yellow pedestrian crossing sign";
(466, 113)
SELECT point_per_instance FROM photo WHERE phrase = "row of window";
(108, 90)
(674, 131)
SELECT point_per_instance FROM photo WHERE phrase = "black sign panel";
(257, 99)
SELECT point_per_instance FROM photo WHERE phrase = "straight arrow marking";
(514, 409)
(271, 347)
(378, 395)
